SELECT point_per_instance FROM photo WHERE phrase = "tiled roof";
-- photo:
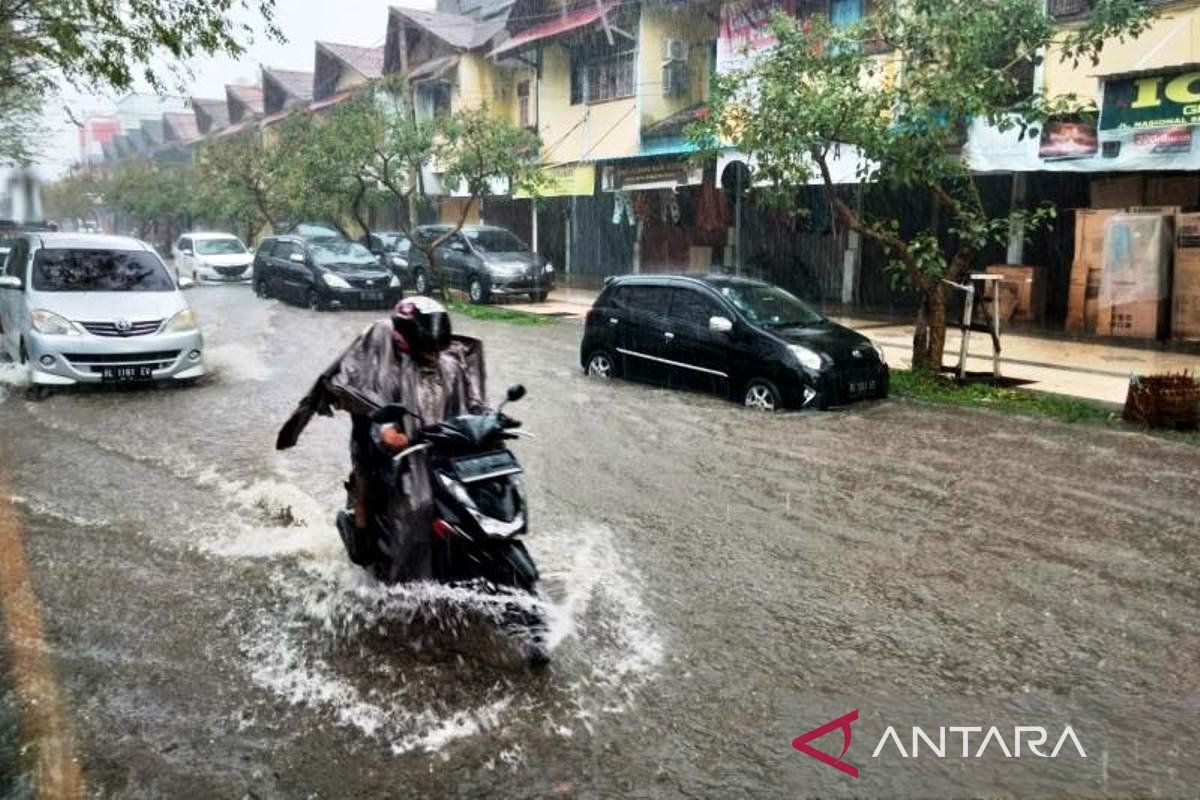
(296, 83)
(453, 29)
(366, 61)
(181, 126)
(215, 110)
(249, 96)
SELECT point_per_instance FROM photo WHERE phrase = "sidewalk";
(1087, 370)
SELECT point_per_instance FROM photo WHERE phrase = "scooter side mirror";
(515, 392)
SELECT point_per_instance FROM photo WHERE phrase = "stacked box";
(1089, 260)
(1028, 288)
(1135, 285)
(1185, 308)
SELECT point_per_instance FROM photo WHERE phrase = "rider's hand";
(508, 422)
(393, 437)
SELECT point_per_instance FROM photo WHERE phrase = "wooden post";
(968, 306)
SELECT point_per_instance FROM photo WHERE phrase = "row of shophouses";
(610, 86)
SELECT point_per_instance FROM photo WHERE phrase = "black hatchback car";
(741, 338)
(323, 273)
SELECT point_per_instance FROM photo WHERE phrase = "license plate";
(858, 388)
(372, 295)
(130, 373)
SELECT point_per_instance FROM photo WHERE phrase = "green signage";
(1151, 101)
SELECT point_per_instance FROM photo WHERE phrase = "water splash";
(12, 377)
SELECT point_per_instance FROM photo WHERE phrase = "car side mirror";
(296, 258)
(10, 282)
(720, 324)
(186, 252)
(458, 247)
(186, 283)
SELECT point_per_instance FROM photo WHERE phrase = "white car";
(212, 257)
(85, 308)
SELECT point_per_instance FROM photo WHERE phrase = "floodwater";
(719, 582)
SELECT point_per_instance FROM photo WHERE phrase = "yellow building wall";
(1173, 39)
(349, 79)
(656, 25)
(582, 132)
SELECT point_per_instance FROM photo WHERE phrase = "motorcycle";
(479, 512)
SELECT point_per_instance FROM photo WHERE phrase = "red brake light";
(442, 529)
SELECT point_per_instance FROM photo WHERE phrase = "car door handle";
(669, 335)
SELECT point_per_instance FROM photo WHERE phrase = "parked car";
(308, 230)
(395, 252)
(741, 338)
(322, 273)
(212, 257)
(487, 262)
(87, 308)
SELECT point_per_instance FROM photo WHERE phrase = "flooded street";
(718, 582)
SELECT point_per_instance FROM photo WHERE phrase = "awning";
(433, 69)
(573, 20)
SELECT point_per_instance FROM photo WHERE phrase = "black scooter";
(479, 510)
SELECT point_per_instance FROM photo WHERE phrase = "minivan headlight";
(879, 351)
(334, 281)
(549, 268)
(183, 321)
(809, 359)
(50, 323)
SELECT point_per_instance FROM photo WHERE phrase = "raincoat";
(372, 373)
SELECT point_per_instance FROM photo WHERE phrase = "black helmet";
(421, 324)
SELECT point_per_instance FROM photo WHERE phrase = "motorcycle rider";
(414, 360)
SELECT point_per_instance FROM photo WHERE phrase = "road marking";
(57, 773)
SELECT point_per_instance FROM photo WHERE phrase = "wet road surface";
(719, 583)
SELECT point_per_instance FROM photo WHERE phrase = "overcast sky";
(358, 22)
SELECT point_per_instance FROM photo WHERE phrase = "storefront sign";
(651, 175)
(746, 30)
(1154, 101)
(566, 180)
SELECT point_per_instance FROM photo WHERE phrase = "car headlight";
(397, 261)
(394, 283)
(183, 321)
(48, 322)
(809, 359)
(879, 351)
(334, 281)
(549, 268)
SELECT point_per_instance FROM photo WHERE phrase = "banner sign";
(652, 175)
(1068, 140)
(746, 30)
(566, 180)
(1154, 101)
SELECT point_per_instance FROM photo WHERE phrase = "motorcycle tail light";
(442, 529)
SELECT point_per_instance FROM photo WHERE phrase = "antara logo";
(1030, 737)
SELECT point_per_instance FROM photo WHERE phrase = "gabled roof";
(366, 61)
(211, 115)
(296, 84)
(249, 97)
(180, 126)
(455, 30)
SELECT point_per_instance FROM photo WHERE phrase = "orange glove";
(393, 437)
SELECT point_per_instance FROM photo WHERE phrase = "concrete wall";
(656, 25)
(584, 131)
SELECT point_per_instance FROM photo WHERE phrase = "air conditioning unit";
(675, 80)
(675, 50)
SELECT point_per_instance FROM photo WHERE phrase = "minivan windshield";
(770, 306)
(218, 247)
(343, 252)
(70, 270)
(495, 240)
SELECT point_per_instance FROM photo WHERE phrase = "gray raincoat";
(372, 373)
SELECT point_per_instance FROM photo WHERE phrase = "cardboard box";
(1185, 304)
(1119, 192)
(1177, 191)
(1089, 255)
(1029, 287)
(1091, 301)
(1135, 284)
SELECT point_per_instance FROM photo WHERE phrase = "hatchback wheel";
(420, 282)
(476, 290)
(762, 395)
(601, 365)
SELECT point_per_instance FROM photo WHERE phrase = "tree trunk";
(929, 336)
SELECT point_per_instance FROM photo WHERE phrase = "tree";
(948, 62)
(153, 196)
(244, 178)
(107, 45)
(73, 196)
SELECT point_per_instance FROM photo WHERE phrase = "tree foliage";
(897, 90)
(73, 196)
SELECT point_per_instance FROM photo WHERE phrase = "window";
(600, 74)
(650, 299)
(694, 308)
(843, 13)
(183, 244)
(63, 270)
(218, 247)
(345, 253)
(525, 117)
(1069, 8)
(434, 99)
(495, 240)
(770, 306)
(284, 250)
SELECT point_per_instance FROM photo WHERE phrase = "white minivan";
(212, 257)
(86, 308)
